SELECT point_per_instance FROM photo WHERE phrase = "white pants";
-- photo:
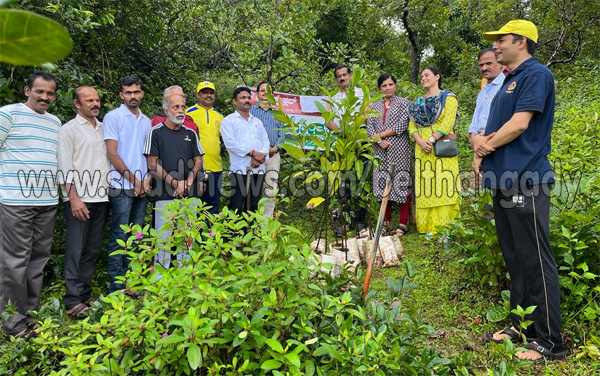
(164, 258)
(270, 185)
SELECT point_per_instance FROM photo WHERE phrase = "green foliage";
(590, 349)
(30, 39)
(497, 314)
(523, 324)
(473, 236)
(339, 156)
(575, 229)
(246, 302)
(574, 145)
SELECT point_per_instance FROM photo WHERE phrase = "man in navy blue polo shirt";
(512, 157)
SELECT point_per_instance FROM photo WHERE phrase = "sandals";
(401, 230)
(79, 311)
(92, 299)
(25, 334)
(32, 323)
(513, 336)
(388, 230)
(546, 354)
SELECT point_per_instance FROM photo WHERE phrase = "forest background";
(295, 45)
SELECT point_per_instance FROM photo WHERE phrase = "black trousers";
(83, 245)
(523, 228)
(239, 194)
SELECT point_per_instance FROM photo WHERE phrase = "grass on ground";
(457, 308)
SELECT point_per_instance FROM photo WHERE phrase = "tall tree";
(420, 21)
(566, 26)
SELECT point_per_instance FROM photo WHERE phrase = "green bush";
(247, 302)
(575, 239)
(473, 237)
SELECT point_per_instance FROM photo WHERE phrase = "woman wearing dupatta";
(433, 116)
(392, 145)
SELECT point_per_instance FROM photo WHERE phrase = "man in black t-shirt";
(174, 158)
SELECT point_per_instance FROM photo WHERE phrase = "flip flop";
(92, 299)
(25, 334)
(546, 354)
(79, 311)
(32, 323)
(513, 336)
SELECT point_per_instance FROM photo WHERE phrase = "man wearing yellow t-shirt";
(208, 121)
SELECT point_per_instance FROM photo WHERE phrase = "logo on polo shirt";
(511, 87)
(519, 201)
(187, 138)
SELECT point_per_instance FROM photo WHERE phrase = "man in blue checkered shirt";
(263, 111)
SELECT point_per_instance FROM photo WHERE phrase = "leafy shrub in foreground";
(246, 302)
(472, 236)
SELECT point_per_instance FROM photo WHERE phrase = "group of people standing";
(114, 165)
(425, 120)
(511, 138)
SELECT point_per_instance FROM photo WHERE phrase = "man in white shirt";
(28, 200)
(491, 70)
(84, 170)
(343, 79)
(247, 142)
(125, 130)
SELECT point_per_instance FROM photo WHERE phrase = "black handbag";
(446, 146)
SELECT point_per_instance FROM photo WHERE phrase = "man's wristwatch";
(432, 139)
(202, 176)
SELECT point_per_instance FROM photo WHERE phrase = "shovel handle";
(384, 201)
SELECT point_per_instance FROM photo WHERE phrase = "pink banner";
(291, 103)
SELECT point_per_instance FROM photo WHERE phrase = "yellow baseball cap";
(521, 27)
(205, 85)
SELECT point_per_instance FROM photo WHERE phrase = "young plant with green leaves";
(342, 158)
(248, 300)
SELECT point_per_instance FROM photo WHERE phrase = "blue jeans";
(126, 209)
(212, 191)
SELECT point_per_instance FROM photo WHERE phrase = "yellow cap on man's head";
(520, 27)
(205, 85)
